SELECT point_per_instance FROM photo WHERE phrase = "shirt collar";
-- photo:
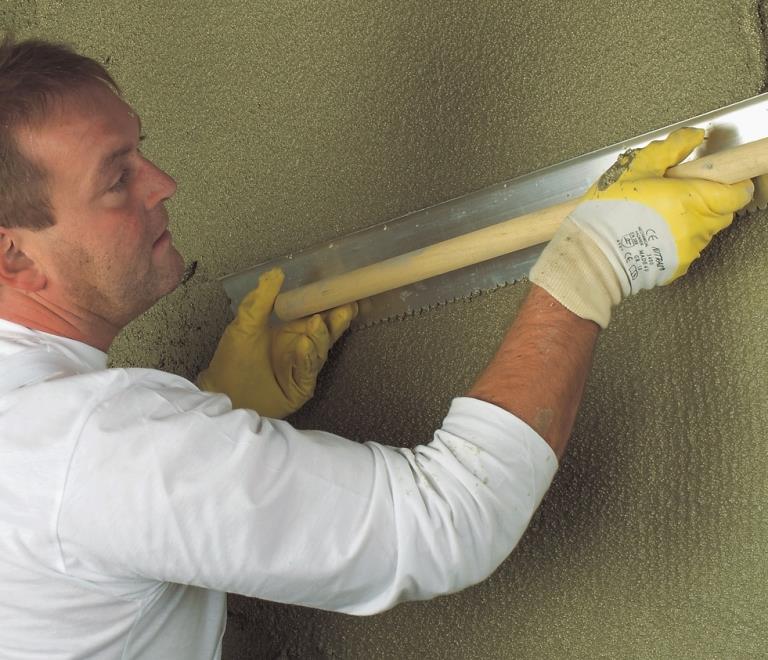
(90, 357)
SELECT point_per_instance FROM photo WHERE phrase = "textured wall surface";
(288, 122)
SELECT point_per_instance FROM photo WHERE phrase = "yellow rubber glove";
(272, 370)
(760, 199)
(636, 229)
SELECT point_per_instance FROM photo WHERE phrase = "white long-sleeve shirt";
(131, 502)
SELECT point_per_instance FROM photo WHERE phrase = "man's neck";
(36, 313)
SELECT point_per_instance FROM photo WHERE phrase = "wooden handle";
(729, 166)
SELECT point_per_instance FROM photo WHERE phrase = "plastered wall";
(289, 122)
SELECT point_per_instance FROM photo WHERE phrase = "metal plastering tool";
(489, 238)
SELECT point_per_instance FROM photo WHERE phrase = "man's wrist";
(575, 271)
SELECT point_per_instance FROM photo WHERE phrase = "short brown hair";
(34, 74)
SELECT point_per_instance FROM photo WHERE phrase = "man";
(131, 501)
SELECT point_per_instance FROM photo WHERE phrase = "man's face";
(109, 254)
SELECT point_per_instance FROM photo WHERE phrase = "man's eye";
(120, 183)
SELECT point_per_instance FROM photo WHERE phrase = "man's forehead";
(85, 125)
(97, 109)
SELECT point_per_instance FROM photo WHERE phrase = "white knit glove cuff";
(575, 271)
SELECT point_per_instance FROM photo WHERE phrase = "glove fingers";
(660, 155)
(338, 320)
(255, 308)
(301, 352)
(724, 199)
(300, 349)
(760, 198)
(319, 337)
(307, 363)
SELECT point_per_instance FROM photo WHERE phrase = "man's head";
(83, 241)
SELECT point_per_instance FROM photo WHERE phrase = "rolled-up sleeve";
(170, 484)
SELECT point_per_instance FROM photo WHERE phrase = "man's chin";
(178, 273)
(169, 275)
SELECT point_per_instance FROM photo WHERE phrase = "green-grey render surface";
(288, 122)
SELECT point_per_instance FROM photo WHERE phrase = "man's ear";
(17, 270)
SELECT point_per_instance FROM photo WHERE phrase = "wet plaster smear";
(288, 122)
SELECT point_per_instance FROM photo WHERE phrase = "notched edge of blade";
(426, 309)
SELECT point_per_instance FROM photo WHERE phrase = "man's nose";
(160, 186)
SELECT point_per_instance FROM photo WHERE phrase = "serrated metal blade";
(726, 127)
(424, 296)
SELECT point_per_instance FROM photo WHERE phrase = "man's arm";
(636, 229)
(540, 370)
